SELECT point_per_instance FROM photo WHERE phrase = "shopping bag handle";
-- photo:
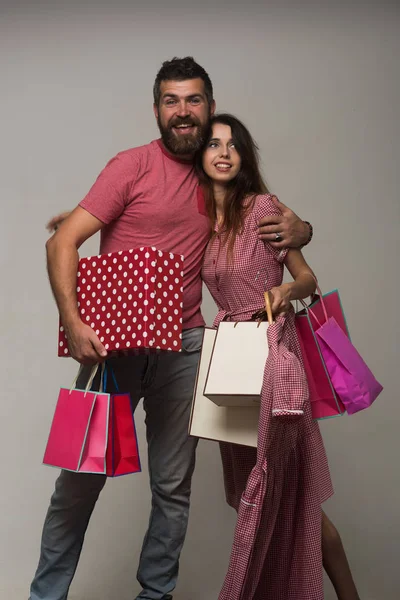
(268, 308)
(90, 380)
(309, 310)
(104, 376)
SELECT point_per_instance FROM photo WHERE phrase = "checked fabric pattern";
(279, 487)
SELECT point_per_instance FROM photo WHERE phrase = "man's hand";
(84, 345)
(293, 232)
(56, 221)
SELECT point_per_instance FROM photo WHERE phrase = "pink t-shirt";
(147, 197)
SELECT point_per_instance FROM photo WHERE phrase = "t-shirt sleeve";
(265, 207)
(112, 190)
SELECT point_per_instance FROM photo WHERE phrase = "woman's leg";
(335, 562)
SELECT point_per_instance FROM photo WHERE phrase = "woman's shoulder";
(264, 205)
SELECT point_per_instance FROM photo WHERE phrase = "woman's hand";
(280, 299)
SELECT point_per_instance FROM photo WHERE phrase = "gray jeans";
(166, 383)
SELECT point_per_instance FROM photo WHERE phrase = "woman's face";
(221, 160)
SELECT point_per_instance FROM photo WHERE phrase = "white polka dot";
(93, 309)
(109, 269)
(165, 294)
(139, 326)
(134, 320)
(176, 312)
(176, 327)
(65, 350)
(88, 302)
(129, 313)
(145, 334)
(160, 269)
(147, 255)
(170, 319)
(117, 345)
(136, 256)
(61, 344)
(164, 326)
(93, 294)
(83, 265)
(125, 259)
(139, 343)
(145, 318)
(107, 346)
(103, 308)
(112, 338)
(176, 280)
(118, 329)
(169, 334)
(164, 342)
(102, 339)
(104, 262)
(128, 328)
(82, 311)
(158, 332)
(92, 325)
(133, 335)
(83, 280)
(113, 322)
(109, 284)
(107, 331)
(114, 260)
(99, 286)
(159, 300)
(159, 284)
(78, 273)
(128, 344)
(159, 317)
(175, 343)
(89, 272)
(140, 311)
(152, 311)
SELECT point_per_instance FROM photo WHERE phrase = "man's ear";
(213, 107)
(155, 110)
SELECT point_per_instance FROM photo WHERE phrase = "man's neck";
(186, 158)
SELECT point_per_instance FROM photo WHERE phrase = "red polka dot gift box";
(132, 299)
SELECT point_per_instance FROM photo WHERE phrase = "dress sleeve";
(264, 207)
(111, 192)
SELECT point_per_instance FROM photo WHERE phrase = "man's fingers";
(282, 207)
(270, 230)
(98, 346)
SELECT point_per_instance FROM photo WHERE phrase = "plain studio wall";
(318, 87)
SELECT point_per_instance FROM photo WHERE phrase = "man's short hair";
(180, 69)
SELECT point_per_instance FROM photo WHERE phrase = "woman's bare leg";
(335, 562)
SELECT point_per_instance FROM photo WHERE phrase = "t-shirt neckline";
(172, 156)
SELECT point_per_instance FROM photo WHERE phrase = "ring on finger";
(278, 237)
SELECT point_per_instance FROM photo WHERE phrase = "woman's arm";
(304, 283)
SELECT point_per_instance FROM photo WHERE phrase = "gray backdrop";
(318, 87)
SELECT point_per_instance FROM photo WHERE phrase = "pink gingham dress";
(277, 489)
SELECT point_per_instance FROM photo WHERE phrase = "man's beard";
(188, 143)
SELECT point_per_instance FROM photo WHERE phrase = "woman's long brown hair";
(242, 190)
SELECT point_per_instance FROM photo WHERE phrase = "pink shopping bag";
(93, 432)
(353, 381)
(325, 402)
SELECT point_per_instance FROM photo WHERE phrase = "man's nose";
(183, 110)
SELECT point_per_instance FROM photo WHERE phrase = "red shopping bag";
(324, 400)
(93, 432)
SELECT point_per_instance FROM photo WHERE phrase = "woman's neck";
(219, 192)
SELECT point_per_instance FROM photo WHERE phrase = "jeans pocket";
(192, 339)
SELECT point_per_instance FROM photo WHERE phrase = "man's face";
(183, 116)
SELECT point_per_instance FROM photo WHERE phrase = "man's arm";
(62, 266)
(293, 232)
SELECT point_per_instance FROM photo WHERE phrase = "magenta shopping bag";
(325, 402)
(353, 381)
(93, 432)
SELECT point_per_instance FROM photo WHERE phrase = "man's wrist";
(309, 233)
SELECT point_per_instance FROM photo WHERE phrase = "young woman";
(238, 268)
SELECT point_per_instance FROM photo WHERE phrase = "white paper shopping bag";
(235, 424)
(237, 364)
